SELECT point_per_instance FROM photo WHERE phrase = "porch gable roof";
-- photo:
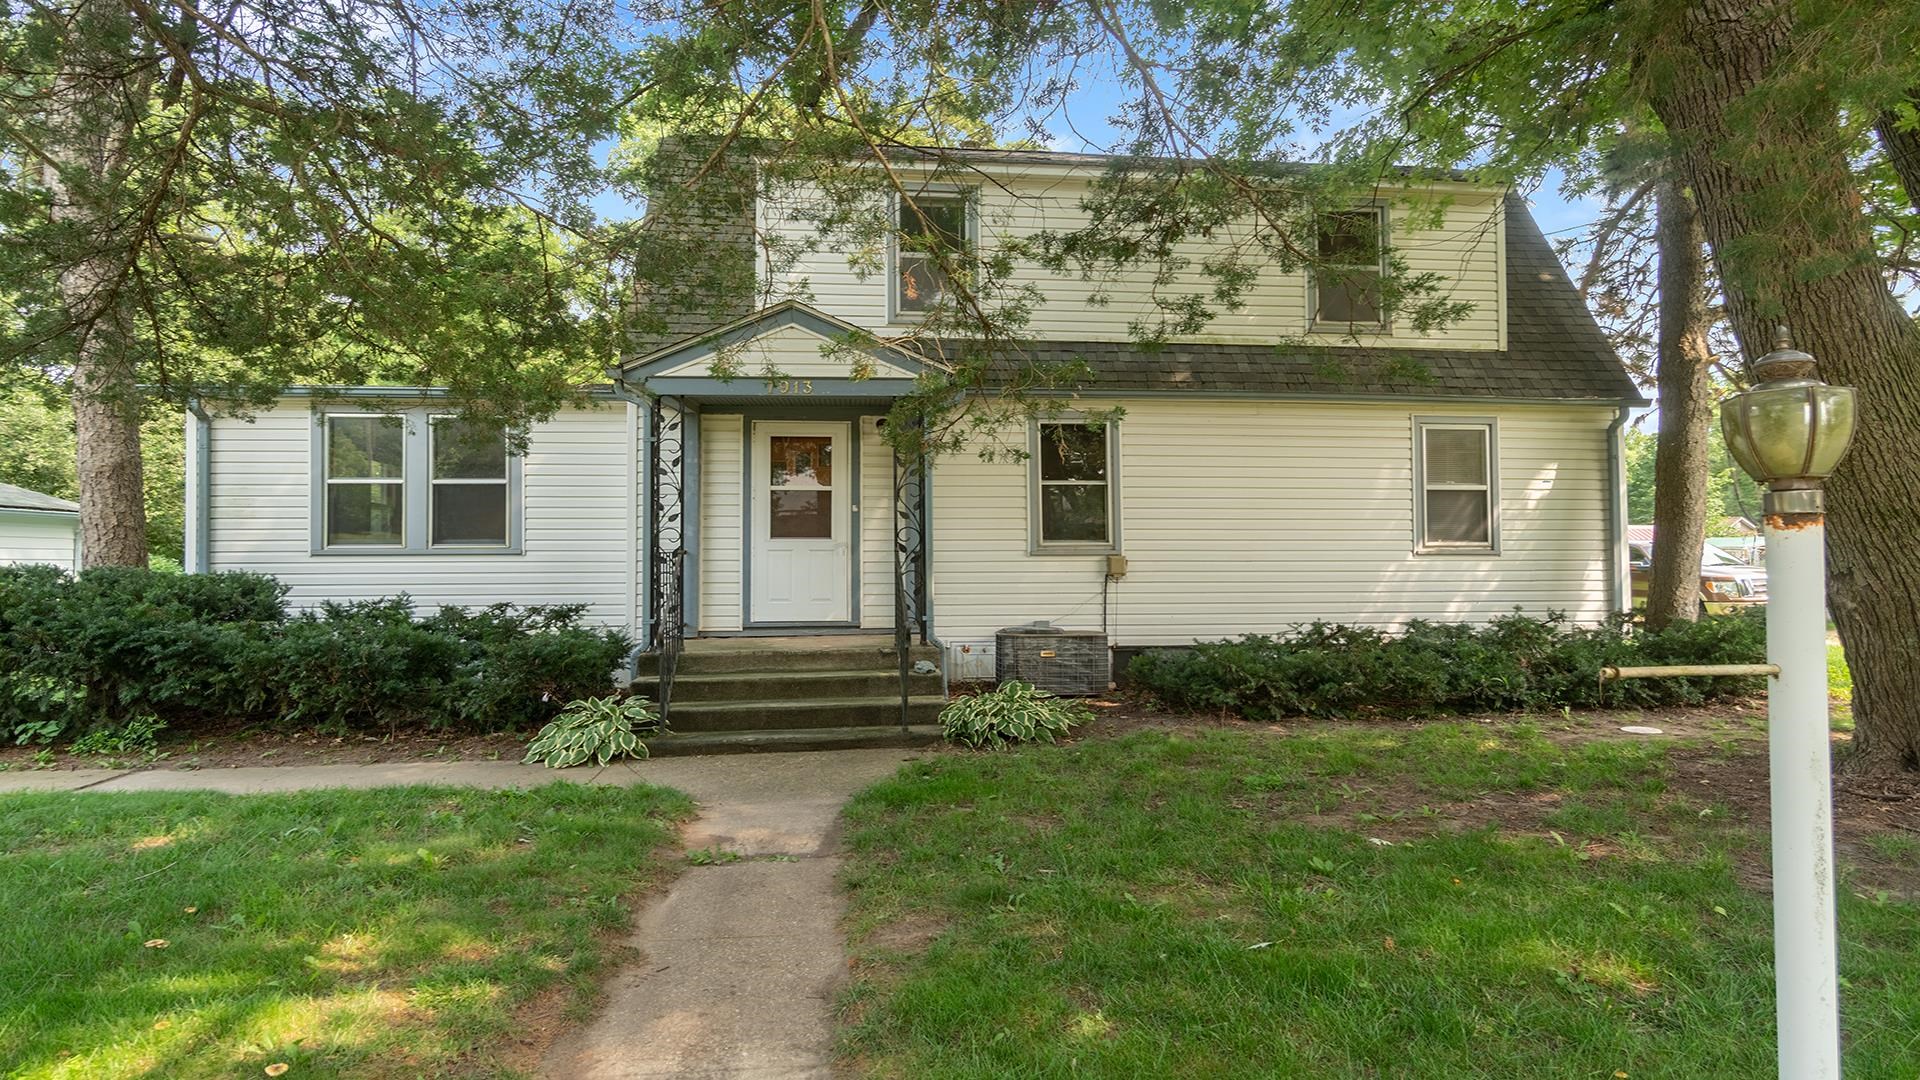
(683, 366)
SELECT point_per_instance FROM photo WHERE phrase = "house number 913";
(792, 386)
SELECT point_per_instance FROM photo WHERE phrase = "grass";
(1840, 686)
(1453, 900)
(390, 932)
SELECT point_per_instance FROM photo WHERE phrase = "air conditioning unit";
(1065, 662)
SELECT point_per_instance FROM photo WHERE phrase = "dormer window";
(1346, 282)
(933, 233)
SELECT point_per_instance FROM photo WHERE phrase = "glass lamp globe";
(1791, 429)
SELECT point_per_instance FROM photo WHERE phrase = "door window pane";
(800, 461)
(801, 514)
(365, 513)
(365, 446)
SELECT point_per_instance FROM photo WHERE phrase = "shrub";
(1013, 712)
(595, 729)
(1512, 663)
(113, 646)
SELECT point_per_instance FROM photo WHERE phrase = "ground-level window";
(1073, 487)
(411, 481)
(469, 482)
(1457, 485)
(366, 489)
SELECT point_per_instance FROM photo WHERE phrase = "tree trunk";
(1902, 147)
(1779, 206)
(94, 103)
(1685, 394)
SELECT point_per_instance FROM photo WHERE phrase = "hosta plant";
(1014, 712)
(596, 729)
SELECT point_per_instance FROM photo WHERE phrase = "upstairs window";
(1456, 476)
(1073, 487)
(365, 502)
(933, 233)
(1346, 282)
(469, 483)
(411, 482)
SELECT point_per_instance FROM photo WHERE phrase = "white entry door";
(801, 552)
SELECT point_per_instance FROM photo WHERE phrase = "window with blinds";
(1458, 509)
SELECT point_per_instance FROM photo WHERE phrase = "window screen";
(1074, 487)
(1456, 487)
(1346, 282)
(469, 483)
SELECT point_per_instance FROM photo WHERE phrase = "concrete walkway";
(739, 961)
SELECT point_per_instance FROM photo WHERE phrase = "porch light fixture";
(1790, 430)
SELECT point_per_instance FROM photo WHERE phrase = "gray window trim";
(968, 196)
(1035, 544)
(1385, 326)
(416, 476)
(1491, 425)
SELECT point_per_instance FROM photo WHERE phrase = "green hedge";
(112, 645)
(1510, 664)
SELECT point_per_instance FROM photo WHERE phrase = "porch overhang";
(723, 366)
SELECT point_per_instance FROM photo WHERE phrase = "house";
(37, 528)
(1293, 462)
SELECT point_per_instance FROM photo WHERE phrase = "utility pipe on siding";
(1619, 582)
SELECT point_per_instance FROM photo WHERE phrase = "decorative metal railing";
(909, 568)
(666, 473)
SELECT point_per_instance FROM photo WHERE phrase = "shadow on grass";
(346, 933)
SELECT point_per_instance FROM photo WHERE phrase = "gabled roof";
(18, 498)
(765, 321)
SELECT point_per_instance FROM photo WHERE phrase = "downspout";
(199, 480)
(1618, 582)
(637, 537)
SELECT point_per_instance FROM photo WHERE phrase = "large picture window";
(1073, 486)
(1347, 279)
(1457, 485)
(408, 481)
(932, 233)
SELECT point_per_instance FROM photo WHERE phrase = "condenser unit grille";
(1068, 662)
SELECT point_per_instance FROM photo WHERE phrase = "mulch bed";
(235, 746)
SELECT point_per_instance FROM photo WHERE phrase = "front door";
(801, 550)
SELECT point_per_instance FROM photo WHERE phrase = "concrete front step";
(690, 689)
(715, 656)
(789, 714)
(835, 738)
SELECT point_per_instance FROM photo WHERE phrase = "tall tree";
(1685, 389)
(227, 199)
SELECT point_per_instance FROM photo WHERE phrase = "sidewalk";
(738, 962)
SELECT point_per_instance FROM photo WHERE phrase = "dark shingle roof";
(1555, 351)
(19, 498)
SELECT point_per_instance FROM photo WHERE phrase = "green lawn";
(390, 932)
(1222, 905)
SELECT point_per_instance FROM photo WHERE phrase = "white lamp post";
(1789, 432)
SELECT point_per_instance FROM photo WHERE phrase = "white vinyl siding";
(1463, 248)
(876, 527)
(573, 495)
(721, 548)
(1244, 517)
(32, 538)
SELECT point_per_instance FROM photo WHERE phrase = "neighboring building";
(1250, 485)
(37, 528)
